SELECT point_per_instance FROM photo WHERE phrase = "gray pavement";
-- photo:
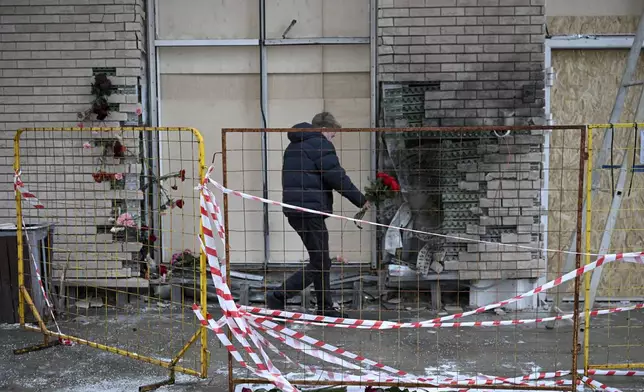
(161, 331)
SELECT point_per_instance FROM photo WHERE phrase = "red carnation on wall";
(179, 203)
(119, 149)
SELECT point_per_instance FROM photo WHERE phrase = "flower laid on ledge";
(185, 259)
(125, 220)
(382, 188)
(101, 176)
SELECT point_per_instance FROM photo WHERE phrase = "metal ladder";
(624, 171)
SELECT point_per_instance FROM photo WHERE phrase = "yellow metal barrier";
(612, 341)
(120, 258)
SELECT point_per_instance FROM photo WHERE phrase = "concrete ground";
(160, 331)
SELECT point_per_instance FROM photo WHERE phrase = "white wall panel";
(210, 103)
(345, 18)
(209, 60)
(208, 19)
(295, 98)
(210, 88)
(317, 18)
(317, 59)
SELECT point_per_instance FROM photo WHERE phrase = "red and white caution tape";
(634, 257)
(244, 324)
(599, 385)
(622, 373)
(237, 324)
(19, 187)
(342, 217)
(300, 318)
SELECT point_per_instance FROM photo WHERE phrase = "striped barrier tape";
(243, 323)
(19, 187)
(598, 385)
(247, 196)
(300, 318)
(240, 329)
(622, 373)
(634, 257)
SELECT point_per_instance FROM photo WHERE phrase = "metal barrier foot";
(157, 385)
(37, 347)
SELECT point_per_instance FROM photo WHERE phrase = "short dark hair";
(325, 120)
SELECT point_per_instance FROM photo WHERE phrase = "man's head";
(326, 120)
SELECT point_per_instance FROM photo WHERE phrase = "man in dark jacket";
(310, 172)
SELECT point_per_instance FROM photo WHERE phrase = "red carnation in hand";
(179, 203)
(152, 238)
(394, 185)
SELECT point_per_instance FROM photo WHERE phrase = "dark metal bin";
(40, 239)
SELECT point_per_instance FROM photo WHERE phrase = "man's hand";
(367, 205)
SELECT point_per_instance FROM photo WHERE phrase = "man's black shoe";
(332, 313)
(275, 301)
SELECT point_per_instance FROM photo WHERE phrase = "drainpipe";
(263, 74)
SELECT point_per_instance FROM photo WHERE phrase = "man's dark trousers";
(315, 236)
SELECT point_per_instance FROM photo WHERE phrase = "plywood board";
(584, 92)
(569, 25)
(593, 7)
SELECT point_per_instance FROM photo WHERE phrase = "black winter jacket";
(311, 171)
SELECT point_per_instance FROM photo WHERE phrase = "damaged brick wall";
(487, 54)
(485, 62)
(50, 53)
(508, 180)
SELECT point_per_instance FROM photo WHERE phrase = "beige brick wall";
(48, 50)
